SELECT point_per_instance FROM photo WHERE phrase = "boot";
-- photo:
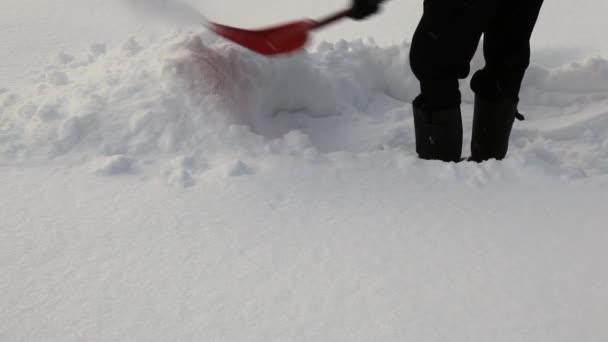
(438, 133)
(492, 124)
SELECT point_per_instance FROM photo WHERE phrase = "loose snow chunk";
(296, 141)
(70, 131)
(181, 177)
(114, 165)
(180, 173)
(238, 169)
(48, 112)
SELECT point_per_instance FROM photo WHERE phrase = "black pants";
(446, 40)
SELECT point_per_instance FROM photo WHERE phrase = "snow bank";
(195, 97)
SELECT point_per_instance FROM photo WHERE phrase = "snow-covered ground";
(159, 183)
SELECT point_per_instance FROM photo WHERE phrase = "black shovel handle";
(331, 19)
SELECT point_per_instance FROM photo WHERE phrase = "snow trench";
(190, 102)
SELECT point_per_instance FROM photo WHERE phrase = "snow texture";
(178, 187)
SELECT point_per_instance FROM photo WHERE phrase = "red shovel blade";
(271, 41)
(275, 40)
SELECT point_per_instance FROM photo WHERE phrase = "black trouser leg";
(444, 44)
(497, 85)
(507, 50)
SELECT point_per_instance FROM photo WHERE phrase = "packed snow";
(174, 186)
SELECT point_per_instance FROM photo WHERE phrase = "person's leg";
(507, 50)
(443, 45)
(497, 85)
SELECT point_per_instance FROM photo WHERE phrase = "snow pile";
(577, 83)
(191, 96)
(196, 98)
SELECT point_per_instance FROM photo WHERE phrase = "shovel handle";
(331, 19)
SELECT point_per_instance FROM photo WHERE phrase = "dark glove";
(362, 9)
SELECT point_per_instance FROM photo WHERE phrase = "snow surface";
(173, 186)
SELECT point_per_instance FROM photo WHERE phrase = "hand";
(362, 9)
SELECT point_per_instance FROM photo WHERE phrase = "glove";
(362, 9)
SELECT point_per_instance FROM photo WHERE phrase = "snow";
(303, 252)
(164, 184)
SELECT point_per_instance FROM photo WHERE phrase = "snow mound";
(198, 98)
(192, 96)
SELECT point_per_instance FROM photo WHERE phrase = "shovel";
(276, 40)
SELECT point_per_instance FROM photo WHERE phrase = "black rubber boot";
(492, 124)
(438, 133)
